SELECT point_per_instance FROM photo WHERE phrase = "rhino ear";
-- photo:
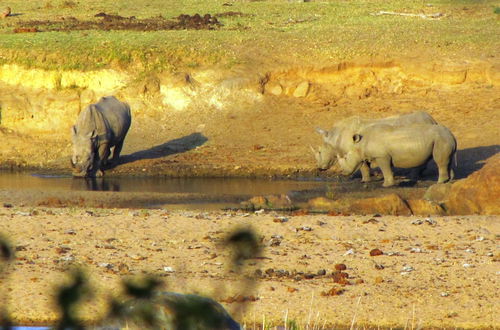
(356, 138)
(322, 132)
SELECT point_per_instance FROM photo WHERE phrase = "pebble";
(349, 252)
(468, 265)
(321, 272)
(259, 211)
(106, 265)
(416, 250)
(407, 270)
(444, 294)
(168, 269)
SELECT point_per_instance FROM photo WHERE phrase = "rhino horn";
(321, 131)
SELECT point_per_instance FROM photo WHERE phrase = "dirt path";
(435, 272)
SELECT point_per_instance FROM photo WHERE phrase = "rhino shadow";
(472, 159)
(469, 161)
(176, 146)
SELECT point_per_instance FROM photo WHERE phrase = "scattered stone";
(376, 252)
(302, 89)
(280, 219)
(322, 272)
(379, 279)
(417, 222)
(444, 294)
(274, 88)
(7, 205)
(349, 252)
(271, 202)
(168, 269)
(468, 265)
(407, 270)
(340, 267)
(430, 221)
(333, 292)
(291, 290)
(70, 232)
(304, 228)
(379, 266)
(371, 220)
(106, 265)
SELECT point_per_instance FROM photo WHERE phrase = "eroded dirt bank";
(244, 122)
(434, 272)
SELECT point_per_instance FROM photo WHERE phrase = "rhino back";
(407, 146)
(340, 137)
(115, 118)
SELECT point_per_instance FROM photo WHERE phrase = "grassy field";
(270, 33)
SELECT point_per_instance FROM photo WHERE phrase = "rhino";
(338, 140)
(99, 127)
(410, 146)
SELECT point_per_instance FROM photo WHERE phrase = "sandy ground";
(434, 272)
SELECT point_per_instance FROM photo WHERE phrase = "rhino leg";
(365, 172)
(443, 162)
(116, 151)
(103, 153)
(385, 167)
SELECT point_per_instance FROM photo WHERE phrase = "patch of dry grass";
(262, 33)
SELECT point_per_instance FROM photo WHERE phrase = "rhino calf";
(99, 127)
(405, 147)
(338, 140)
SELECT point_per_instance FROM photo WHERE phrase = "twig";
(355, 312)
(424, 16)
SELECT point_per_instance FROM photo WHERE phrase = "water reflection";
(208, 186)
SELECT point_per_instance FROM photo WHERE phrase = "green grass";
(273, 32)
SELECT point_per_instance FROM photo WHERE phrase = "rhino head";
(83, 156)
(352, 160)
(325, 156)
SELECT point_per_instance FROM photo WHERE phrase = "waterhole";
(182, 193)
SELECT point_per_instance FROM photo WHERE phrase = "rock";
(274, 202)
(323, 204)
(479, 193)
(438, 192)
(390, 204)
(274, 88)
(425, 207)
(302, 89)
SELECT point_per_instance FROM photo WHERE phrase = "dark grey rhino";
(99, 127)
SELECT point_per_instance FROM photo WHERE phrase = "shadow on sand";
(176, 146)
(472, 159)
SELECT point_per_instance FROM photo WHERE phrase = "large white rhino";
(99, 127)
(338, 140)
(408, 146)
